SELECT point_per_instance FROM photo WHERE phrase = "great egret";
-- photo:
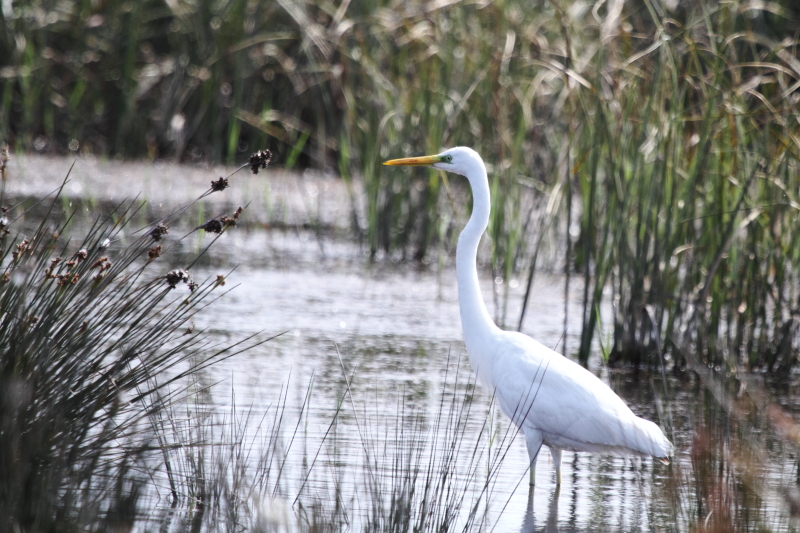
(552, 400)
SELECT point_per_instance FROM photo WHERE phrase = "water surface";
(389, 333)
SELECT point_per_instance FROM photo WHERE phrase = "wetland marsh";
(366, 400)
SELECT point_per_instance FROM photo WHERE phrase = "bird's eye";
(447, 159)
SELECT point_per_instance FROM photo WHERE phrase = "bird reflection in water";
(529, 522)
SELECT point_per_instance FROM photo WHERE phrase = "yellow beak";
(426, 160)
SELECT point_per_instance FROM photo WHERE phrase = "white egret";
(552, 400)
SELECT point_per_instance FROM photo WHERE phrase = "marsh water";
(376, 347)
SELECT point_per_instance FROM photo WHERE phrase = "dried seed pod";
(48, 272)
(260, 159)
(67, 279)
(154, 252)
(176, 276)
(231, 221)
(100, 263)
(219, 185)
(213, 226)
(158, 232)
(21, 249)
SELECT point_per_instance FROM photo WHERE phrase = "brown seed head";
(260, 159)
(158, 232)
(67, 279)
(219, 185)
(48, 272)
(231, 221)
(154, 252)
(100, 263)
(176, 276)
(213, 226)
(21, 249)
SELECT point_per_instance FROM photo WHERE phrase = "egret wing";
(542, 390)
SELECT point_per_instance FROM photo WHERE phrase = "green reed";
(665, 140)
(688, 177)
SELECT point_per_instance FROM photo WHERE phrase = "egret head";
(460, 160)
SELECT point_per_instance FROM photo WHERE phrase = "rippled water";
(395, 328)
(392, 331)
(397, 331)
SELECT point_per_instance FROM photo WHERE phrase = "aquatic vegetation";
(649, 150)
(387, 458)
(638, 146)
(93, 341)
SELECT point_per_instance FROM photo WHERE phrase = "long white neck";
(475, 320)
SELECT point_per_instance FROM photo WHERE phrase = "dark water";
(392, 332)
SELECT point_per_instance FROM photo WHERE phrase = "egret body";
(552, 400)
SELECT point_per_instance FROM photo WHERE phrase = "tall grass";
(95, 334)
(687, 164)
(660, 135)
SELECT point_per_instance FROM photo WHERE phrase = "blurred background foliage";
(649, 147)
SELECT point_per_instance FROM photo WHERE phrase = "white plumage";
(553, 400)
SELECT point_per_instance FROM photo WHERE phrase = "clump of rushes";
(88, 330)
(688, 175)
